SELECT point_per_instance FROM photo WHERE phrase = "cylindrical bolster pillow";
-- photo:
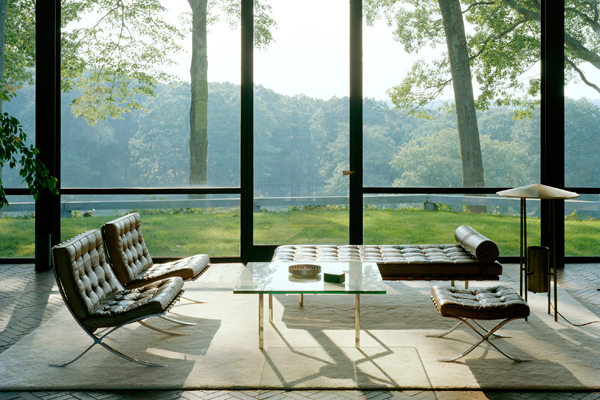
(480, 247)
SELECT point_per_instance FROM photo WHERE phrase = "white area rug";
(313, 346)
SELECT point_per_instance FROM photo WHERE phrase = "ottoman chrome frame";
(484, 337)
(500, 303)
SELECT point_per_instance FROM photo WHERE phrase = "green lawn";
(218, 234)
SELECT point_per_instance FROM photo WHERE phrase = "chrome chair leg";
(135, 360)
(98, 340)
(192, 300)
(160, 329)
(177, 321)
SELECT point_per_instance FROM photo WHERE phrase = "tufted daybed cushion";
(131, 259)
(498, 302)
(93, 292)
(405, 262)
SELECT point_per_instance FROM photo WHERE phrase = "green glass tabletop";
(360, 278)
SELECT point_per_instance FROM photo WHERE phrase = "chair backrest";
(127, 251)
(83, 273)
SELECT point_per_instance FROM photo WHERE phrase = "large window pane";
(18, 58)
(173, 226)
(582, 128)
(154, 105)
(18, 92)
(301, 125)
(411, 134)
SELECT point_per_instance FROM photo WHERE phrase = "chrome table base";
(301, 303)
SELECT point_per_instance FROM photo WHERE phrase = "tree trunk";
(468, 132)
(199, 103)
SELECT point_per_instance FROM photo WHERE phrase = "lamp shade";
(538, 191)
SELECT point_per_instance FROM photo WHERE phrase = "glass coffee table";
(274, 277)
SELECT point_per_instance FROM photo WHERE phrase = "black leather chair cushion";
(126, 247)
(131, 259)
(496, 302)
(87, 279)
(186, 268)
(130, 305)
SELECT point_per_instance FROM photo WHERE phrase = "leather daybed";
(474, 257)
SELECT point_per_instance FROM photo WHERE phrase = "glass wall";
(154, 105)
(151, 99)
(582, 128)
(301, 126)
(417, 134)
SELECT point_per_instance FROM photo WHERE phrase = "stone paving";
(28, 299)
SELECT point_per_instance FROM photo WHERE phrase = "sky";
(310, 53)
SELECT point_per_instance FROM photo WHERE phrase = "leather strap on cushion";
(126, 247)
(86, 277)
(476, 244)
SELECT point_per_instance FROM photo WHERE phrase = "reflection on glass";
(275, 278)
(301, 128)
(173, 226)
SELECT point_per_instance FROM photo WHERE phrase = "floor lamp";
(542, 192)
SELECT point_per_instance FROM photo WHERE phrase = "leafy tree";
(435, 161)
(161, 141)
(503, 45)
(201, 18)
(582, 142)
(110, 63)
(117, 59)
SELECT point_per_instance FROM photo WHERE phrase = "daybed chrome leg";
(177, 321)
(161, 330)
(484, 338)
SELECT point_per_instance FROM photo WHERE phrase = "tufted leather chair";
(97, 299)
(131, 259)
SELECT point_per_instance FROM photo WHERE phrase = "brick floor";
(28, 299)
